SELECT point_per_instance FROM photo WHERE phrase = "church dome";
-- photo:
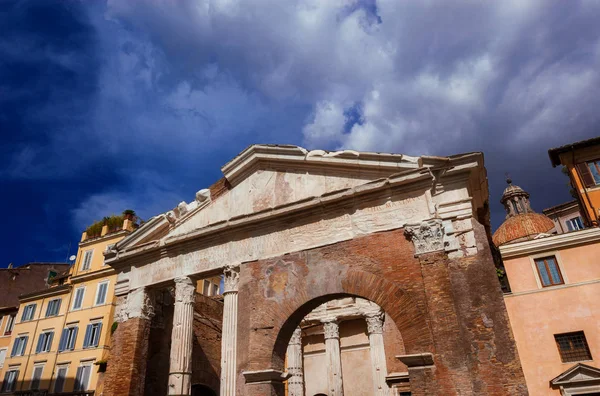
(522, 227)
(521, 223)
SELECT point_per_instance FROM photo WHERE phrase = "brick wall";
(451, 308)
(206, 365)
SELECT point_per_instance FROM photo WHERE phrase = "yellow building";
(61, 335)
(582, 161)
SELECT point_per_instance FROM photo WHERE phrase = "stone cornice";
(554, 242)
(50, 292)
(245, 162)
(416, 179)
(93, 241)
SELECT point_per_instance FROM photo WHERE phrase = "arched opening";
(202, 390)
(341, 344)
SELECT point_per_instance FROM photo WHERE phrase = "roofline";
(563, 205)
(560, 241)
(36, 263)
(51, 291)
(554, 153)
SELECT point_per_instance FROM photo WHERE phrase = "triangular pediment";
(263, 177)
(577, 374)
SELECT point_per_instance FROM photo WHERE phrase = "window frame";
(73, 330)
(39, 380)
(16, 351)
(564, 359)
(59, 367)
(5, 349)
(91, 334)
(575, 224)
(536, 272)
(107, 283)
(73, 308)
(596, 164)
(4, 388)
(83, 260)
(34, 305)
(48, 315)
(10, 322)
(77, 386)
(49, 338)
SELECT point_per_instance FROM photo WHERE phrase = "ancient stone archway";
(202, 390)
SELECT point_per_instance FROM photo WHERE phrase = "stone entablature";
(450, 190)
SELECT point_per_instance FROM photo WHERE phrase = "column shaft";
(295, 365)
(334, 362)
(180, 370)
(377, 349)
(229, 335)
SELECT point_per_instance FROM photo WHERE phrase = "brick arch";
(409, 319)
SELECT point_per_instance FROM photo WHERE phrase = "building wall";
(589, 197)
(537, 313)
(89, 311)
(560, 217)
(5, 339)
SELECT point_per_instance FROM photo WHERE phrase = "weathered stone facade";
(293, 229)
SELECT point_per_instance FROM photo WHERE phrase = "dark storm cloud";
(162, 93)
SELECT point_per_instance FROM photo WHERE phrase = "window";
(87, 260)
(101, 293)
(38, 369)
(82, 378)
(590, 172)
(205, 288)
(67, 339)
(573, 347)
(28, 312)
(10, 380)
(61, 375)
(78, 300)
(19, 346)
(53, 307)
(10, 324)
(45, 341)
(2, 357)
(549, 272)
(215, 290)
(575, 224)
(92, 335)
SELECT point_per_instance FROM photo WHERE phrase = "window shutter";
(23, 346)
(88, 334)
(78, 379)
(73, 338)
(586, 175)
(32, 315)
(63, 340)
(86, 377)
(40, 343)
(57, 306)
(96, 339)
(569, 225)
(15, 347)
(49, 342)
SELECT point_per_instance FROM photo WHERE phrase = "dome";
(522, 226)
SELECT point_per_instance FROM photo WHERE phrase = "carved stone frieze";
(231, 279)
(139, 303)
(427, 236)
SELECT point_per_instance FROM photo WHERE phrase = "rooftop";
(554, 153)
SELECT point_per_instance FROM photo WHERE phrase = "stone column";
(294, 364)
(334, 361)
(229, 334)
(180, 370)
(378, 363)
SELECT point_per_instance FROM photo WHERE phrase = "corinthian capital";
(331, 329)
(231, 278)
(296, 337)
(185, 290)
(375, 323)
(428, 236)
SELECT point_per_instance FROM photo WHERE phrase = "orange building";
(582, 161)
(554, 301)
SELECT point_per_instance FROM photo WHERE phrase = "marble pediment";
(264, 177)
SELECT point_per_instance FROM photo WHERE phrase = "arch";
(202, 390)
(410, 319)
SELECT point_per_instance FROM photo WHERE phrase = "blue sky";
(107, 105)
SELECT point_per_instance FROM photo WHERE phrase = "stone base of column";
(126, 369)
(179, 384)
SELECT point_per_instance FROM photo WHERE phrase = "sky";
(113, 105)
